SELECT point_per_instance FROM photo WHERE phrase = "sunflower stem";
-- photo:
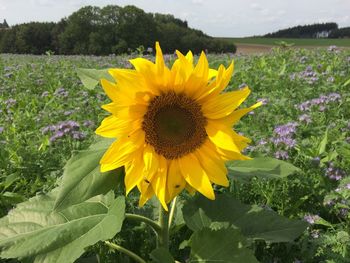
(155, 226)
(163, 237)
(172, 212)
(125, 251)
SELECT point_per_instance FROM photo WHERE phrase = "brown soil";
(246, 49)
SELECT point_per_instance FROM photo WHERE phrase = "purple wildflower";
(242, 86)
(10, 102)
(264, 101)
(315, 234)
(311, 219)
(334, 173)
(305, 118)
(330, 79)
(286, 129)
(61, 92)
(1, 129)
(88, 123)
(332, 48)
(44, 94)
(282, 155)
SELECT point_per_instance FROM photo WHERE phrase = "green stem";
(150, 222)
(172, 212)
(125, 251)
(163, 236)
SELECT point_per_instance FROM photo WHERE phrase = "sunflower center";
(174, 125)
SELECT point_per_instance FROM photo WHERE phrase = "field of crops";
(296, 41)
(46, 114)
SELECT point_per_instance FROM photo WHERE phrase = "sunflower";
(173, 126)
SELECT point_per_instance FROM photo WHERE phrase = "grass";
(305, 121)
(296, 41)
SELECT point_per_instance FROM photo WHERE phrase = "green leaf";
(224, 245)
(34, 230)
(91, 77)
(82, 178)
(262, 167)
(161, 255)
(346, 83)
(323, 143)
(253, 221)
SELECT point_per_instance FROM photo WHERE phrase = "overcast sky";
(230, 18)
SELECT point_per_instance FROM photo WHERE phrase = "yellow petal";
(113, 127)
(159, 182)
(199, 78)
(133, 172)
(224, 104)
(189, 57)
(175, 181)
(110, 89)
(119, 153)
(151, 162)
(221, 135)
(195, 175)
(235, 116)
(213, 165)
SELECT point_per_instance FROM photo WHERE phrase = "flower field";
(47, 113)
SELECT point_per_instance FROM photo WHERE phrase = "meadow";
(46, 114)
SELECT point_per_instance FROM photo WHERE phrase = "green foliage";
(254, 222)
(31, 162)
(262, 167)
(82, 178)
(307, 31)
(108, 30)
(161, 255)
(34, 230)
(223, 245)
(91, 77)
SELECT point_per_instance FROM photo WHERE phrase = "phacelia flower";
(173, 126)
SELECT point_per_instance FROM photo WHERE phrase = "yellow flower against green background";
(173, 126)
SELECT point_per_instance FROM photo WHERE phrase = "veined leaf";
(82, 178)
(224, 245)
(253, 221)
(323, 143)
(262, 167)
(91, 77)
(34, 230)
(161, 255)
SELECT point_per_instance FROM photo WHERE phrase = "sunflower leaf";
(82, 178)
(253, 221)
(262, 167)
(34, 230)
(91, 77)
(161, 255)
(223, 245)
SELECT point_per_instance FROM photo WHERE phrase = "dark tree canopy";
(307, 31)
(108, 30)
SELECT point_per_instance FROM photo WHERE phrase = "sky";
(219, 18)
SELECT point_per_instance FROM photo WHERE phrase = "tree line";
(323, 30)
(109, 30)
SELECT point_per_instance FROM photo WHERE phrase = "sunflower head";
(174, 126)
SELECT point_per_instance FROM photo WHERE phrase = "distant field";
(296, 41)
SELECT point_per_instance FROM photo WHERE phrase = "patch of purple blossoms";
(334, 173)
(282, 155)
(1, 129)
(305, 118)
(320, 101)
(311, 219)
(61, 92)
(64, 128)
